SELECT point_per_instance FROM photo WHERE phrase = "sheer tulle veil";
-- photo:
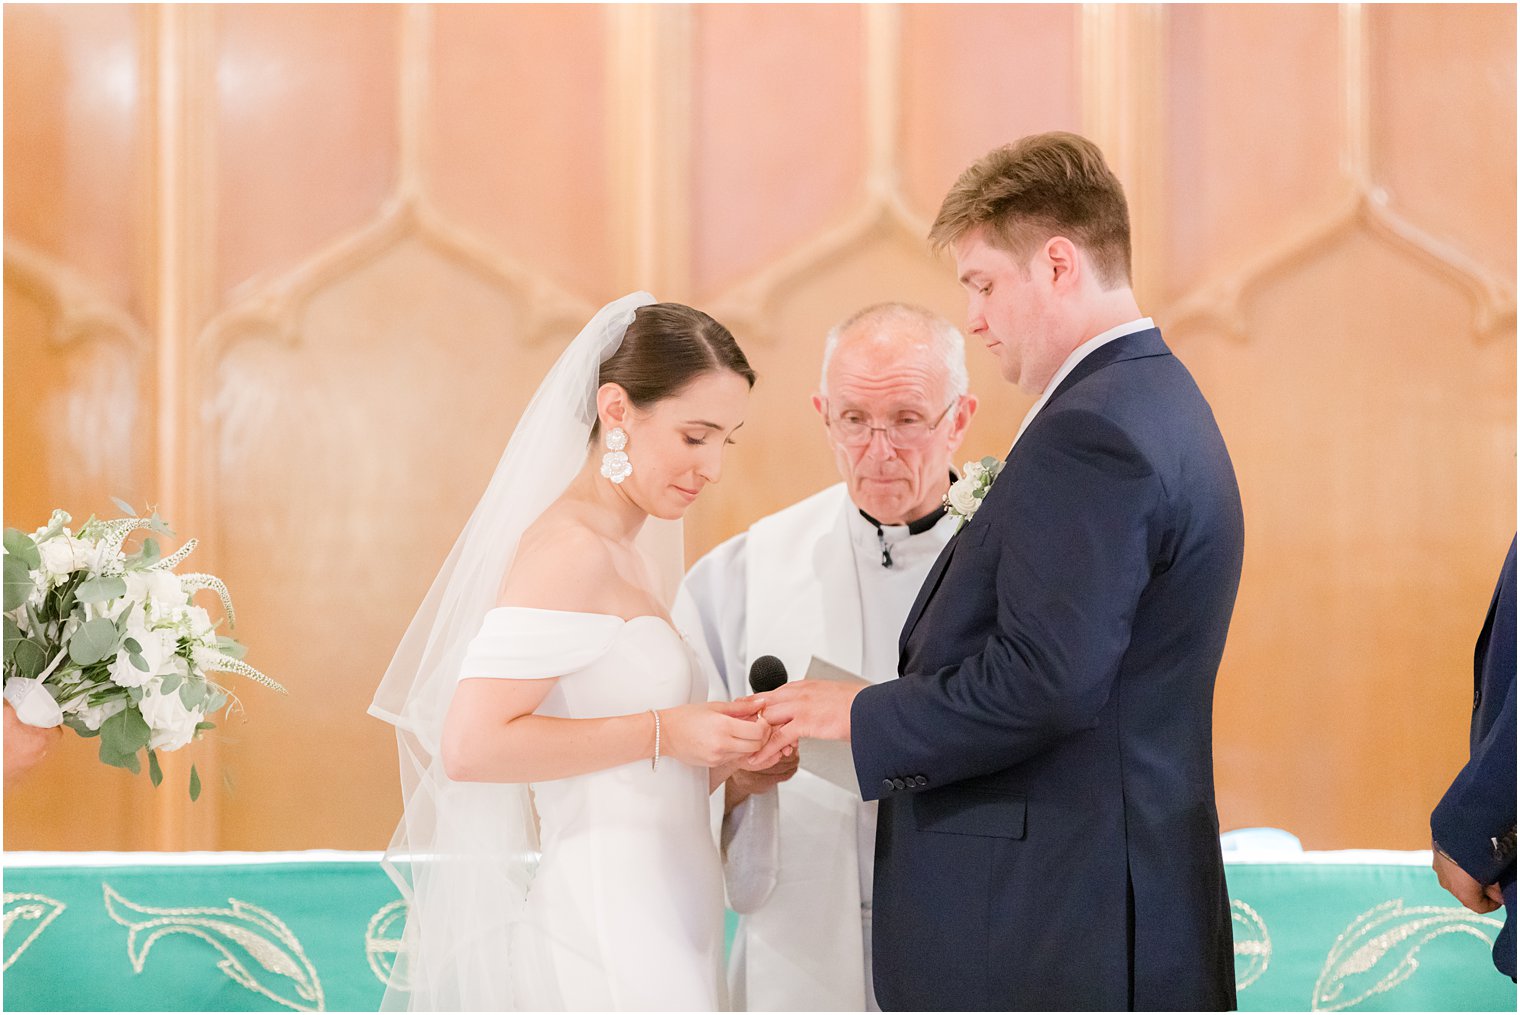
(463, 853)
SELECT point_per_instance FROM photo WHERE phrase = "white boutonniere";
(966, 494)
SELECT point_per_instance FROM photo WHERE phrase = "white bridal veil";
(463, 853)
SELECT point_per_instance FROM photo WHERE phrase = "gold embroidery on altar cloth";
(1251, 942)
(25, 907)
(1379, 950)
(257, 933)
(383, 943)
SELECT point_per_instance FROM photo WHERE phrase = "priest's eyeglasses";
(853, 429)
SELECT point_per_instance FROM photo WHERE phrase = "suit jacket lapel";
(1137, 345)
(925, 593)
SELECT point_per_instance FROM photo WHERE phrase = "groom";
(1047, 835)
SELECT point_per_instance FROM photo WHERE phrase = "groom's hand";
(805, 708)
(1477, 897)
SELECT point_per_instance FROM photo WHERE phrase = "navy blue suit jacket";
(1474, 823)
(1047, 837)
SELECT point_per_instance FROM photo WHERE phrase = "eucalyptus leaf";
(131, 645)
(157, 524)
(12, 634)
(52, 602)
(990, 463)
(99, 590)
(154, 772)
(230, 647)
(115, 758)
(171, 681)
(205, 726)
(18, 582)
(95, 640)
(113, 736)
(19, 545)
(126, 509)
(195, 784)
(192, 693)
(137, 661)
(125, 732)
(77, 725)
(135, 695)
(28, 658)
(145, 557)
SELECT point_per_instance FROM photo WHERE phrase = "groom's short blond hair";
(1043, 185)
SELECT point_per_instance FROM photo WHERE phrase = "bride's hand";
(711, 733)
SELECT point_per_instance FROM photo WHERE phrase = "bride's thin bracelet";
(654, 763)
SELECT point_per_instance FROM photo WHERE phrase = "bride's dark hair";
(666, 347)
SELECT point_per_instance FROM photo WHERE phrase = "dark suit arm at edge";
(1481, 801)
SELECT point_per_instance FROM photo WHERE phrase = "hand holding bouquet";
(110, 644)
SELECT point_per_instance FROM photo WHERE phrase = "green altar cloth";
(318, 931)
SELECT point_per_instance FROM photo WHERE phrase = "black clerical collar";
(918, 526)
(915, 527)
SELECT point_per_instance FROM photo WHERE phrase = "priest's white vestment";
(814, 579)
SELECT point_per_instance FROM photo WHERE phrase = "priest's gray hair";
(945, 337)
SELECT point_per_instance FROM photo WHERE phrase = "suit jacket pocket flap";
(969, 811)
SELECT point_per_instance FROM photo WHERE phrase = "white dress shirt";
(1078, 354)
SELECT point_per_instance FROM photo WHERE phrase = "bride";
(557, 747)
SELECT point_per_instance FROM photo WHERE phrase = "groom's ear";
(612, 404)
(1063, 261)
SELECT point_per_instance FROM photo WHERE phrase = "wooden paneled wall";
(291, 273)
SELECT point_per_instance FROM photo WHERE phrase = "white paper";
(830, 760)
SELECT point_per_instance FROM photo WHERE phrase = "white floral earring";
(615, 463)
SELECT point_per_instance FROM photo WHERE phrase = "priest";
(832, 576)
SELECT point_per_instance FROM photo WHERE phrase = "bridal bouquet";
(110, 644)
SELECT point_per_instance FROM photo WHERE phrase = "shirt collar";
(1078, 354)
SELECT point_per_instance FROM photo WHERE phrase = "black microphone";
(766, 674)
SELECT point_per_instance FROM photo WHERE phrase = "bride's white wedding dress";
(625, 909)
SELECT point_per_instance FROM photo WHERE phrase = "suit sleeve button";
(899, 784)
(886, 784)
(920, 780)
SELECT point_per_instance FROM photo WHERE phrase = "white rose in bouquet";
(97, 557)
(155, 648)
(160, 592)
(93, 715)
(201, 627)
(172, 724)
(59, 558)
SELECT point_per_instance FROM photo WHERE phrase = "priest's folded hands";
(805, 708)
